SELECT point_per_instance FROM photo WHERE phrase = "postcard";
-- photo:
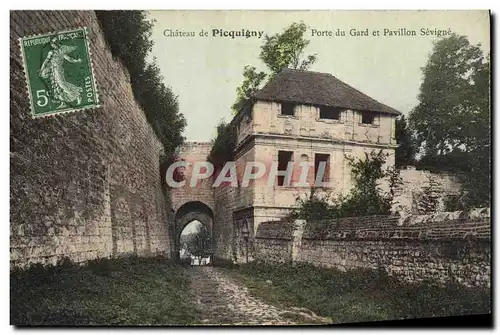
(250, 168)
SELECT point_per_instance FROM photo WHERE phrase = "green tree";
(128, 34)
(429, 199)
(199, 244)
(286, 50)
(313, 208)
(405, 152)
(223, 145)
(280, 51)
(251, 84)
(365, 198)
(446, 96)
(452, 121)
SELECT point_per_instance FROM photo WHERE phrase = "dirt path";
(222, 300)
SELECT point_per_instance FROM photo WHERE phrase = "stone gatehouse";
(299, 116)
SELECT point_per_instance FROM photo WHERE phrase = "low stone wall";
(444, 247)
(274, 241)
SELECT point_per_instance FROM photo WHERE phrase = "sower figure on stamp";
(53, 70)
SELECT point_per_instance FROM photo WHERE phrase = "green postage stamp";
(59, 72)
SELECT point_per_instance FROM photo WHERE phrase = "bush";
(365, 198)
(128, 34)
(223, 145)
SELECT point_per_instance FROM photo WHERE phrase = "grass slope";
(134, 291)
(358, 296)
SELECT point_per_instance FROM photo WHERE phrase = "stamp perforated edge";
(26, 76)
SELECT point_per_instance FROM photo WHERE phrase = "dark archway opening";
(193, 233)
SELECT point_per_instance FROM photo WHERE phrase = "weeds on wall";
(365, 198)
(128, 34)
(223, 145)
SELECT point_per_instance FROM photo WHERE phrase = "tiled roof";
(314, 88)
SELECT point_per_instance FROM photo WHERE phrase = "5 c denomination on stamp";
(59, 72)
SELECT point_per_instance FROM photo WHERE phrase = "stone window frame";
(327, 176)
(292, 159)
(340, 120)
(374, 124)
(288, 116)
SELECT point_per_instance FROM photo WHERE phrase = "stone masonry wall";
(223, 230)
(444, 247)
(230, 204)
(267, 118)
(193, 152)
(84, 184)
(273, 242)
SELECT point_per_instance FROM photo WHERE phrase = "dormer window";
(367, 118)
(287, 109)
(329, 113)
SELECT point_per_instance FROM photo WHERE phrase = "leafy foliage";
(453, 203)
(393, 176)
(430, 196)
(251, 84)
(280, 51)
(286, 50)
(223, 145)
(406, 151)
(128, 34)
(451, 123)
(447, 99)
(365, 198)
(200, 244)
(313, 208)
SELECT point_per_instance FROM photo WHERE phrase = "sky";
(204, 71)
(192, 227)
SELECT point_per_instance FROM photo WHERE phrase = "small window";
(287, 109)
(283, 158)
(367, 118)
(329, 113)
(322, 158)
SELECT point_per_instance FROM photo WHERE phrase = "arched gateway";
(192, 203)
(189, 212)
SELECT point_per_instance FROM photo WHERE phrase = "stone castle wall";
(193, 152)
(84, 184)
(444, 247)
(232, 206)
